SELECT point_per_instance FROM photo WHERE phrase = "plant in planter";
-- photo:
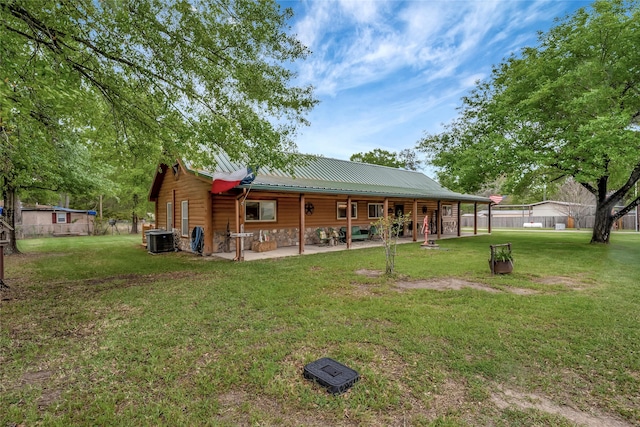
(501, 261)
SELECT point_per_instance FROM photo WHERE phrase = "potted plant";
(501, 261)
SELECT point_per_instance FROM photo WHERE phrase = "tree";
(405, 159)
(388, 228)
(569, 107)
(578, 202)
(169, 78)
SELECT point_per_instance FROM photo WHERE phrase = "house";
(44, 220)
(323, 194)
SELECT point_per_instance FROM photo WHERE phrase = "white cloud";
(388, 70)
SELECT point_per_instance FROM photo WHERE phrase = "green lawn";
(95, 331)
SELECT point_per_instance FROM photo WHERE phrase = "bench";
(356, 234)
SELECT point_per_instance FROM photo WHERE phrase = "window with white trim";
(185, 218)
(342, 210)
(61, 217)
(169, 216)
(260, 210)
(376, 210)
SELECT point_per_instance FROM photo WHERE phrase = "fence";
(77, 228)
(628, 222)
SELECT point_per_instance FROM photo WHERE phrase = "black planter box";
(331, 374)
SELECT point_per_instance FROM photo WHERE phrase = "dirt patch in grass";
(41, 379)
(453, 283)
(140, 279)
(438, 284)
(443, 284)
(369, 273)
(574, 283)
(506, 398)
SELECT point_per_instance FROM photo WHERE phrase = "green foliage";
(503, 255)
(405, 159)
(192, 79)
(564, 108)
(388, 228)
(93, 93)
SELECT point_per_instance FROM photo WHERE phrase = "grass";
(95, 331)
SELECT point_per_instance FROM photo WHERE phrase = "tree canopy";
(405, 159)
(164, 78)
(569, 107)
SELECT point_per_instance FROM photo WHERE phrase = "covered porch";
(288, 251)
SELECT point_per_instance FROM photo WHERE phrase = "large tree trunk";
(11, 206)
(602, 225)
(134, 223)
(134, 216)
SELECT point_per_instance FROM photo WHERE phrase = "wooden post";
(237, 228)
(489, 220)
(2, 285)
(208, 222)
(475, 217)
(414, 219)
(4, 240)
(439, 219)
(459, 219)
(302, 226)
(349, 222)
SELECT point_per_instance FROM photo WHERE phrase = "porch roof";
(333, 176)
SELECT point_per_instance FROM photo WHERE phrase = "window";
(342, 210)
(185, 218)
(447, 210)
(263, 210)
(61, 217)
(376, 210)
(169, 216)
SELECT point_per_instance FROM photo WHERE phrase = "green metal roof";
(333, 176)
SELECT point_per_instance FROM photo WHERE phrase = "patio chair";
(322, 236)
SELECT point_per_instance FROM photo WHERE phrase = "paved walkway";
(250, 255)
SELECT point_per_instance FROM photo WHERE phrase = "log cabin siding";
(176, 188)
(324, 216)
(223, 214)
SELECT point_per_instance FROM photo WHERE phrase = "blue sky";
(388, 71)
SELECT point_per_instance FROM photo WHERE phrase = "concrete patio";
(288, 251)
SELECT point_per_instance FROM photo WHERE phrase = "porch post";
(385, 214)
(208, 223)
(385, 208)
(489, 220)
(439, 218)
(475, 217)
(459, 219)
(414, 219)
(349, 222)
(301, 231)
(238, 239)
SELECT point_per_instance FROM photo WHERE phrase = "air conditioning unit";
(159, 241)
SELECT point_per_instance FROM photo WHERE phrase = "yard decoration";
(501, 261)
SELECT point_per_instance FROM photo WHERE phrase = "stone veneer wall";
(283, 236)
